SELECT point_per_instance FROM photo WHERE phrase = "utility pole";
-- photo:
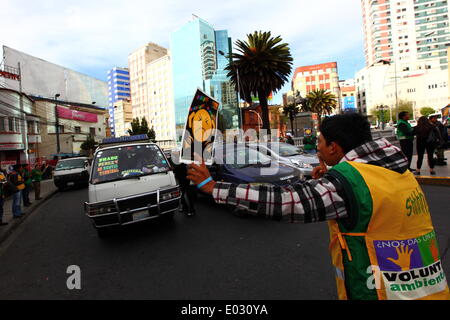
(24, 116)
(57, 125)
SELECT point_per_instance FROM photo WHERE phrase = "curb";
(16, 223)
(430, 180)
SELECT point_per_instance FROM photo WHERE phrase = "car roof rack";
(122, 140)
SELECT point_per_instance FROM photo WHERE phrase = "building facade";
(123, 116)
(347, 89)
(199, 57)
(320, 76)
(20, 136)
(118, 89)
(45, 79)
(412, 34)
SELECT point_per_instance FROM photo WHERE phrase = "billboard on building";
(349, 103)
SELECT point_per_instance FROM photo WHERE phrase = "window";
(11, 124)
(77, 129)
(92, 131)
(61, 128)
(2, 124)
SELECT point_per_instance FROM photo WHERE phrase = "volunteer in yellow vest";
(382, 241)
(16, 182)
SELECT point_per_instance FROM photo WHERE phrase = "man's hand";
(319, 171)
(199, 173)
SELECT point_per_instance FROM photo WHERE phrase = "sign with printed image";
(411, 268)
(200, 129)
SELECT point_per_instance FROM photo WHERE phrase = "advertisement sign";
(200, 128)
(349, 103)
(12, 146)
(65, 113)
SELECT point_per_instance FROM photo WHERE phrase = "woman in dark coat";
(424, 134)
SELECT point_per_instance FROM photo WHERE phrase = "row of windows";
(10, 124)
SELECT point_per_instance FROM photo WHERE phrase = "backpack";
(433, 138)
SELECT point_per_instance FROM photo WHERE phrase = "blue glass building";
(196, 63)
(118, 89)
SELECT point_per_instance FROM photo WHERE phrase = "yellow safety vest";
(20, 179)
(389, 249)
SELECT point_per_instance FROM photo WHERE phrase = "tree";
(426, 111)
(404, 105)
(141, 127)
(382, 114)
(89, 145)
(321, 102)
(261, 66)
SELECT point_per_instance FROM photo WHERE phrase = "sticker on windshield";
(108, 165)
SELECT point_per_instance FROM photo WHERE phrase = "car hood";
(306, 158)
(266, 174)
(129, 187)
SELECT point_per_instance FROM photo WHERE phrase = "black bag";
(433, 138)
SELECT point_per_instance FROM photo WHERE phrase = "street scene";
(212, 157)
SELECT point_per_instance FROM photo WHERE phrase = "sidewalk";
(442, 176)
(48, 189)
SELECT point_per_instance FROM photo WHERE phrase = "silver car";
(289, 154)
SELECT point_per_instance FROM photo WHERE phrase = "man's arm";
(312, 201)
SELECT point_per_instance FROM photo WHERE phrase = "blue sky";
(92, 36)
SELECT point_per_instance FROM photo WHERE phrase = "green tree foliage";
(426, 111)
(141, 127)
(404, 105)
(293, 108)
(88, 146)
(261, 66)
(381, 115)
(321, 102)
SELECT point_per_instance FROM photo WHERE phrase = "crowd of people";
(431, 136)
(17, 181)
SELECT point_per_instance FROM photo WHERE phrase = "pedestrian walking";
(427, 140)
(382, 242)
(17, 185)
(25, 172)
(36, 175)
(3, 184)
(405, 135)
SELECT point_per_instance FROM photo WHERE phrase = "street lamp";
(238, 85)
(58, 147)
(259, 119)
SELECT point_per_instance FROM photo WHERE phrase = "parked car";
(70, 172)
(131, 181)
(289, 155)
(238, 163)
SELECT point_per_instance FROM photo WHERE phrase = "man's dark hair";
(402, 114)
(347, 130)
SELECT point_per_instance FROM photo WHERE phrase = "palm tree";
(320, 102)
(261, 66)
(295, 104)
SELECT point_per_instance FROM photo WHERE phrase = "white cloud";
(95, 35)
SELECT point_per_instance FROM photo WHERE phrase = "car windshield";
(285, 149)
(241, 158)
(70, 164)
(128, 162)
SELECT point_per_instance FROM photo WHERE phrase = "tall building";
(151, 90)
(198, 61)
(320, 76)
(123, 116)
(413, 34)
(118, 89)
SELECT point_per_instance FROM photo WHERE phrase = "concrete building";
(347, 90)
(320, 76)
(137, 63)
(161, 111)
(151, 91)
(118, 89)
(380, 84)
(76, 120)
(123, 116)
(410, 33)
(45, 79)
(19, 129)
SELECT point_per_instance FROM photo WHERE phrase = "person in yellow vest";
(16, 182)
(3, 184)
(382, 241)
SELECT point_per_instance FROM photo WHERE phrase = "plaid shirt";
(313, 200)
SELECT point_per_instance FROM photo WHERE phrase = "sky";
(92, 36)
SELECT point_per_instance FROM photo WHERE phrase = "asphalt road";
(214, 255)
